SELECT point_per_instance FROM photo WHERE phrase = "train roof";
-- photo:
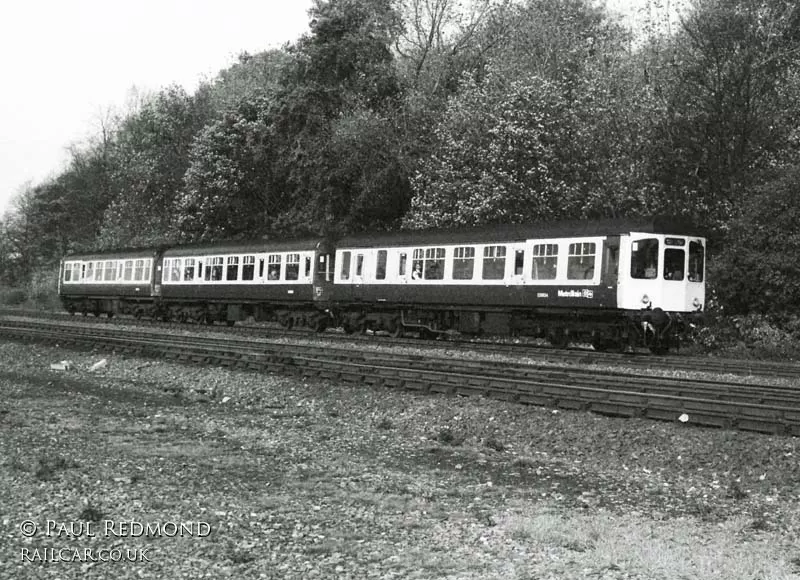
(132, 253)
(244, 247)
(520, 232)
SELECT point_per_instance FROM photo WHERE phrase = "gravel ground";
(277, 477)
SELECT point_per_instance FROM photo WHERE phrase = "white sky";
(66, 62)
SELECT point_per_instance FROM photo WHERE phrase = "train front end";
(661, 285)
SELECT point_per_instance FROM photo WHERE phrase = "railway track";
(504, 348)
(720, 403)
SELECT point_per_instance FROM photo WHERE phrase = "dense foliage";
(417, 113)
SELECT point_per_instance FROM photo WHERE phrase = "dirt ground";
(149, 469)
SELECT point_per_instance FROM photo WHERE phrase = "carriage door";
(358, 275)
(609, 276)
(323, 275)
(515, 276)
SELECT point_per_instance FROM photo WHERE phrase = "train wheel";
(397, 330)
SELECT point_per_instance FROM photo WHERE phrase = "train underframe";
(605, 329)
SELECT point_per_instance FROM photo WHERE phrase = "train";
(612, 283)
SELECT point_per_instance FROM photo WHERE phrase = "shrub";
(12, 296)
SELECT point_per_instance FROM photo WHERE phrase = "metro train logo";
(583, 293)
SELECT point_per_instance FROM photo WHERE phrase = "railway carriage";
(612, 282)
(124, 281)
(232, 281)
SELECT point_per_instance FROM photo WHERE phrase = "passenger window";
(89, 271)
(463, 263)
(434, 263)
(110, 271)
(148, 265)
(345, 266)
(232, 271)
(545, 262)
(214, 269)
(188, 270)
(261, 268)
(580, 263)
(83, 271)
(292, 266)
(380, 267)
(98, 271)
(519, 260)
(138, 271)
(494, 262)
(696, 261)
(175, 274)
(68, 272)
(248, 267)
(644, 259)
(674, 261)
(274, 267)
(401, 270)
(307, 273)
(359, 265)
(416, 263)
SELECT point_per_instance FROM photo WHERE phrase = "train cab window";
(174, 271)
(232, 271)
(696, 261)
(248, 267)
(580, 262)
(674, 263)
(345, 275)
(292, 266)
(545, 262)
(494, 262)
(110, 271)
(127, 271)
(463, 263)
(644, 259)
(380, 266)
(359, 265)
(274, 267)
(188, 270)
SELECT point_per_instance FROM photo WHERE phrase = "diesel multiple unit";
(614, 283)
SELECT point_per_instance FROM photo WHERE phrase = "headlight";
(646, 300)
(697, 304)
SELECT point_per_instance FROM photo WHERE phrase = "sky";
(65, 63)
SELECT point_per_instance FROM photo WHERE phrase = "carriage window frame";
(544, 265)
(110, 271)
(68, 271)
(232, 269)
(463, 263)
(89, 274)
(494, 262)
(345, 272)
(188, 270)
(292, 267)
(248, 268)
(380, 264)
(127, 271)
(274, 267)
(582, 261)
